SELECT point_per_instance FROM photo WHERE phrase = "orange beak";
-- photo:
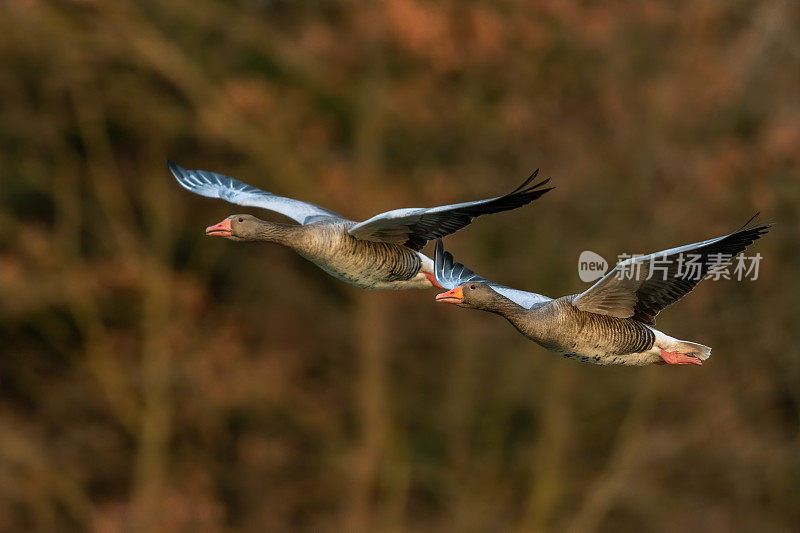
(455, 296)
(223, 229)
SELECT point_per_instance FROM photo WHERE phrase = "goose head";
(238, 228)
(473, 295)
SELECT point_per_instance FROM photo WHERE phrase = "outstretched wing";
(626, 291)
(416, 226)
(450, 275)
(215, 185)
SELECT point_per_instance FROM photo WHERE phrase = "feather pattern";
(412, 227)
(213, 185)
(450, 275)
(626, 291)
(589, 327)
(415, 226)
(366, 264)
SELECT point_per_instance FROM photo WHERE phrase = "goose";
(613, 321)
(382, 252)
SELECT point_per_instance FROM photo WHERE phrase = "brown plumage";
(379, 253)
(611, 322)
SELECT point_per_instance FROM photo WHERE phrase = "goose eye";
(241, 219)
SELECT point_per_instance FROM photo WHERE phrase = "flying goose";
(379, 253)
(611, 323)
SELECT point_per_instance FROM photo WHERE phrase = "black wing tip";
(525, 188)
(509, 201)
(528, 195)
(178, 171)
(757, 232)
(754, 231)
(526, 182)
(751, 219)
(746, 236)
(533, 192)
(748, 225)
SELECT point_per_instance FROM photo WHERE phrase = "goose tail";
(700, 351)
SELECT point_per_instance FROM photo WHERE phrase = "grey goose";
(612, 322)
(380, 253)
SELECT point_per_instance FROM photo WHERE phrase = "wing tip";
(174, 167)
(747, 226)
(181, 174)
(752, 218)
(529, 194)
(526, 182)
(753, 231)
(524, 188)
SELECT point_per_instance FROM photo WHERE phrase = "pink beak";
(223, 229)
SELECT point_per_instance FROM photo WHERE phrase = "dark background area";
(154, 379)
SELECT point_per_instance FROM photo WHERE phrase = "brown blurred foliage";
(153, 379)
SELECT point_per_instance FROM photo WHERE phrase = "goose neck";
(275, 232)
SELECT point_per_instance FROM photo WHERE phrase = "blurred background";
(153, 379)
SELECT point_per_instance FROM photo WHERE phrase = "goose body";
(561, 327)
(611, 323)
(588, 337)
(379, 253)
(366, 264)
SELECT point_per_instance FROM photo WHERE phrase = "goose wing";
(416, 226)
(641, 287)
(215, 185)
(450, 275)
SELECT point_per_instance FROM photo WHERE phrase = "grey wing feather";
(450, 275)
(625, 292)
(415, 226)
(213, 185)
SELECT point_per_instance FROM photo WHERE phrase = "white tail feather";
(700, 351)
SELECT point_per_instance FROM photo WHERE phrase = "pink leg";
(432, 279)
(677, 358)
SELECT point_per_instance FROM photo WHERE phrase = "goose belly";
(368, 277)
(366, 264)
(598, 339)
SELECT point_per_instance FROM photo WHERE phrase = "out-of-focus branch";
(551, 450)
(156, 365)
(157, 53)
(103, 175)
(372, 316)
(29, 469)
(628, 452)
